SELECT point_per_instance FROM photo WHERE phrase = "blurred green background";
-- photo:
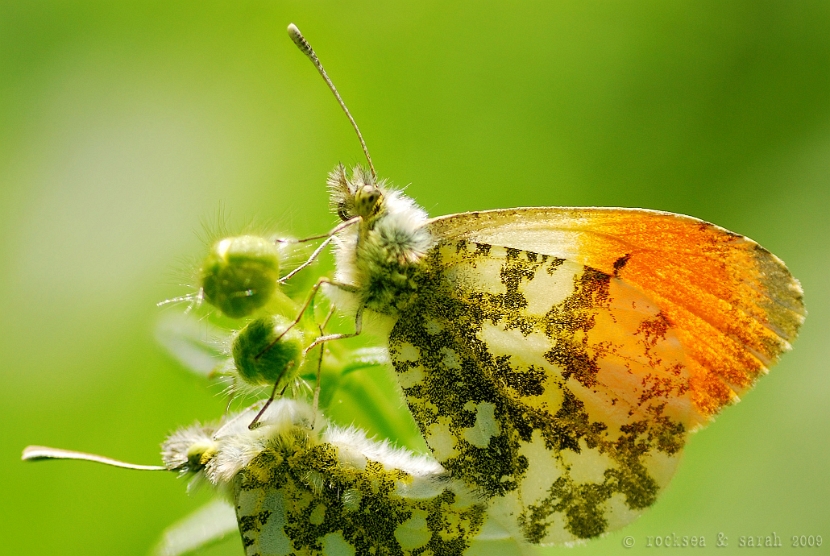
(123, 126)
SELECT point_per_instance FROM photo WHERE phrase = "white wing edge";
(211, 523)
(37, 453)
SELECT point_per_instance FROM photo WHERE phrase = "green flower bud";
(260, 359)
(240, 274)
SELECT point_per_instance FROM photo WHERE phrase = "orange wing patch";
(733, 305)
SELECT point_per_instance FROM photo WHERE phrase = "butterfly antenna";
(303, 45)
(37, 453)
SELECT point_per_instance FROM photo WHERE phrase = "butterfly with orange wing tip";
(556, 359)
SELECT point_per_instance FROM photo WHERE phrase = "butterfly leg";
(329, 238)
(305, 307)
(358, 327)
(334, 231)
(310, 260)
(273, 395)
(317, 384)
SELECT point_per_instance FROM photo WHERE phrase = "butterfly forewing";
(733, 305)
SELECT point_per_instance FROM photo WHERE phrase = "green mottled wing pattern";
(557, 390)
(302, 497)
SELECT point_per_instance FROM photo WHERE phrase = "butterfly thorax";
(382, 254)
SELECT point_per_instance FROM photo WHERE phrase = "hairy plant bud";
(261, 358)
(240, 274)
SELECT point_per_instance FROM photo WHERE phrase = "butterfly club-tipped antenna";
(304, 46)
(368, 199)
(365, 199)
(306, 49)
(40, 453)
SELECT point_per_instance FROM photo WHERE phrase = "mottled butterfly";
(556, 359)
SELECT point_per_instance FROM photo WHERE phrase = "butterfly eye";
(366, 200)
(199, 454)
(342, 212)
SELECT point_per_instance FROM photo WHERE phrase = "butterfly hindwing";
(551, 384)
(305, 495)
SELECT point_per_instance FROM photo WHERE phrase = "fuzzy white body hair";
(174, 451)
(233, 445)
(428, 477)
(398, 233)
(356, 448)
(238, 444)
(293, 425)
